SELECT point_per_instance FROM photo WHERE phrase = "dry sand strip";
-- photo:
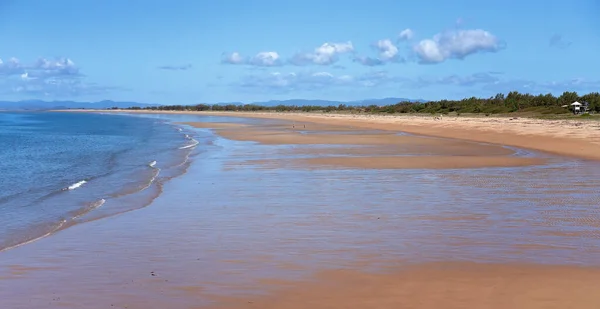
(437, 286)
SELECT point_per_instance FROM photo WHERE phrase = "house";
(576, 107)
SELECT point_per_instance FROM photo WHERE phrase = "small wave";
(98, 203)
(193, 144)
(92, 206)
(152, 164)
(75, 185)
(151, 181)
(179, 129)
(188, 137)
(56, 229)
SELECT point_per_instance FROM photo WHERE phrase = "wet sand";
(230, 235)
(563, 137)
(439, 286)
(437, 162)
(385, 150)
(575, 138)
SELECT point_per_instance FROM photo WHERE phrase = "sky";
(188, 52)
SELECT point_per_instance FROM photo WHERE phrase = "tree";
(568, 97)
(499, 103)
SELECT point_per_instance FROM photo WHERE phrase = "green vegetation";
(514, 102)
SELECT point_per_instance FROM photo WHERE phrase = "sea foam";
(193, 144)
(76, 185)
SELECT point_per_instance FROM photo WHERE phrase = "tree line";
(498, 104)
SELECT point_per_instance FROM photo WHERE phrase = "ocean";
(60, 169)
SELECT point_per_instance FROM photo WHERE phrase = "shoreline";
(334, 146)
(142, 182)
(571, 138)
(247, 238)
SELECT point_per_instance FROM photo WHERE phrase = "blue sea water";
(59, 169)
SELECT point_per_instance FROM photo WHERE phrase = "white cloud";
(452, 44)
(279, 82)
(482, 78)
(233, 58)
(528, 86)
(59, 77)
(326, 54)
(10, 67)
(388, 52)
(262, 59)
(284, 82)
(25, 76)
(481, 83)
(406, 34)
(456, 45)
(368, 61)
(56, 87)
(43, 67)
(60, 64)
(265, 59)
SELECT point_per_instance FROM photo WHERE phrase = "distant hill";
(46, 105)
(303, 102)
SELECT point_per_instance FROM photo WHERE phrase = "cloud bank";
(452, 44)
(261, 59)
(491, 82)
(326, 54)
(59, 77)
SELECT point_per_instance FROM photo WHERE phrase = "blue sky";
(184, 52)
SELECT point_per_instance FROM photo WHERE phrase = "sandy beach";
(577, 138)
(563, 137)
(342, 211)
(299, 155)
(384, 150)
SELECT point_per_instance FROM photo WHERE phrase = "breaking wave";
(76, 185)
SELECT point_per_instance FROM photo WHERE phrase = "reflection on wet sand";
(437, 286)
(397, 162)
(237, 236)
(365, 149)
